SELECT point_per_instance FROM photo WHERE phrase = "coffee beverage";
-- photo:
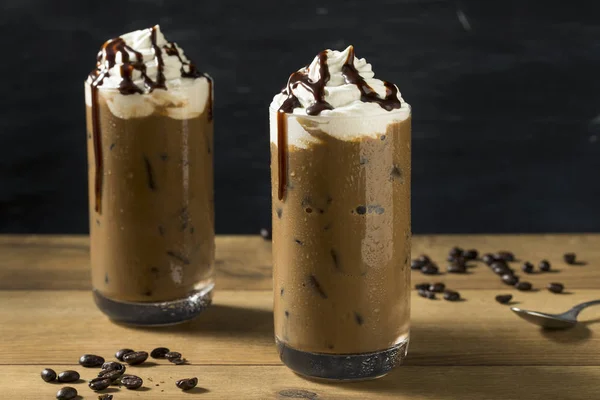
(340, 151)
(150, 141)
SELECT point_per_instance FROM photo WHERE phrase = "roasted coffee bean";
(527, 267)
(112, 374)
(451, 295)
(172, 355)
(187, 384)
(179, 361)
(510, 279)
(159, 353)
(48, 375)
(556, 287)
(131, 381)
(437, 287)
(426, 293)
(504, 298)
(135, 358)
(455, 252)
(499, 263)
(422, 286)
(97, 384)
(68, 376)
(500, 268)
(111, 370)
(424, 259)
(105, 397)
(430, 269)
(471, 254)
(544, 266)
(460, 260)
(505, 255)
(119, 354)
(112, 365)
(456, 268)
(265, 233)
(66, 393)
(417, 264)
(90, 361)
(523, 286)
(570, 258)
(488, 258)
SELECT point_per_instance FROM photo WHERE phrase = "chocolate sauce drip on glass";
(282, 152)
(317, 88)
(98, 182)
(109, 52)
(367, 94)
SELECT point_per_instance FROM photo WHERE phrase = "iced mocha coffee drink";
(150, 141)
(340, 151)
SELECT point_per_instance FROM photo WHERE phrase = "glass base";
(342, 367)
(155, 314)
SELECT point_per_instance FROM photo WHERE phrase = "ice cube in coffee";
(340, 167)
(150, 152)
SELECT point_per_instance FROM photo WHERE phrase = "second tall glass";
(341, 243)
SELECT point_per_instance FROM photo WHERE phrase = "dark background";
(505, 96)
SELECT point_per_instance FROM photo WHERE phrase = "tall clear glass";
(151, 202)
(341, 243)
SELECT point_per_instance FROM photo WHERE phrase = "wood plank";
(62, 262)
(244, 262)
(277, 382)
(56, 327)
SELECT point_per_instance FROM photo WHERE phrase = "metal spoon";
(554, 321)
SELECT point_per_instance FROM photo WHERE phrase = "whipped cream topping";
(141, 61)
(140, 73)
(337, 83)
(336, 94)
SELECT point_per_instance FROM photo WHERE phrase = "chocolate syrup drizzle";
(109, 52)
(317, 88)
(367, 94)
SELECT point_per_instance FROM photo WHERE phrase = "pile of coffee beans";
(113, 373)
(429, 291)
(499, 263)
(425, 265)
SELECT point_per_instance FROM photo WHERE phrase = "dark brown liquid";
(154, 240)
(341, 242)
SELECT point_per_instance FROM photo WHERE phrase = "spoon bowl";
(554, 321)
(547, 321)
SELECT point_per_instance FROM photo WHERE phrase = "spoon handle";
(577, 309)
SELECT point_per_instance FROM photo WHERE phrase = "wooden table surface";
(471, 350)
